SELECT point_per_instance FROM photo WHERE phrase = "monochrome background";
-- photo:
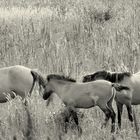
(70, 37)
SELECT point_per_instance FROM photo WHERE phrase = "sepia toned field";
(74, 38)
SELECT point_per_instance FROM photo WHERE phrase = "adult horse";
(15, 80)
(125, 78)
(82, 95)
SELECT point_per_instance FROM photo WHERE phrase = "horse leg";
(107, 113)
(75, 117)
(113, 117)
(119, 109)
(67, 116)
(66, 123)
(129, 109)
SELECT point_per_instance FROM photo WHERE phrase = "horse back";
(102, 86)
(20, 79)
(99, 88)
(103, 90)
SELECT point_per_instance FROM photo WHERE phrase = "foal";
(83, 95)
(130, 97)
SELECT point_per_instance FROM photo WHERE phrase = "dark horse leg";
(113, 117)
(119, 109)
(67, 116)
(107, 116)
(109, 113)
(72, 113)
(129, 109)
(75, 117)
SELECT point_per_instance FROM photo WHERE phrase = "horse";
(126, 78)
(82, 95)
(15, 80)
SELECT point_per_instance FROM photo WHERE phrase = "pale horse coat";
(15, 80)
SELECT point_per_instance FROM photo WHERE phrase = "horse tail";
(109, 103)
(34, 80)
(119, 87)
(37, 77)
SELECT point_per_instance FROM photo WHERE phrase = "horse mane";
(39, 78)
(106, 75)
(118, 76)
(60, 77)
(92, 77)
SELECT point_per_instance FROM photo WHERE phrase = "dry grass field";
(71, 37)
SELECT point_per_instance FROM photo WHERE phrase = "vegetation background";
(71, 37)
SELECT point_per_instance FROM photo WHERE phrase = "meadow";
(74, 38)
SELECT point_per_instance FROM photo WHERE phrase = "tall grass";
(69, 37)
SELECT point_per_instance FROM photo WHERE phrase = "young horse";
(127, 98)
(15, 80)
(83, 95)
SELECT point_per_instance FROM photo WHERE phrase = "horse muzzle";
(46, 95)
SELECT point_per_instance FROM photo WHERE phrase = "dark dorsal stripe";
(60, 77)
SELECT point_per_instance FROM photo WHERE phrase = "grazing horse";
(15, 80)
(82, 95)
(127, 98)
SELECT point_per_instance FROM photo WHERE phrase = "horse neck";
(58, 86)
